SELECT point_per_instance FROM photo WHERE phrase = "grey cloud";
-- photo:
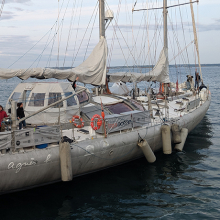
(202, 27)
(13, 47)
(128, 28)
(210, 27)
(18, 9)
(6, 15)
(17, 1)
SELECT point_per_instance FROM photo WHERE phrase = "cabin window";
(16, 96)
(37, 99)
(54, 97)
(83, 97)
(119, 108)
(70, 101)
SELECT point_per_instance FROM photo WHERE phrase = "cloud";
(17, 1)
(13, 47)
(6, 15)
(210, 27)
(18, 9)
(201, 27)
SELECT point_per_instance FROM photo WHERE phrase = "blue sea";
(182, 185)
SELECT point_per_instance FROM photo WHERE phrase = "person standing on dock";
(2, 115)
(20, 114)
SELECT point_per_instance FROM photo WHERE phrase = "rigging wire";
(119, 43)
(84, 34)
(39, 55)
(175, 36)
(70, 31)
(58, 18)
(171, 6)
(51, 51)
(184, 37)
(151, 44)
(77, 30)
(90, 35)
(44, 47)
(190, 33)
(175, 56)
(114, 33)
(56, 32)
(142, 48)
(33, 46)
(51, 31)
(60, 36)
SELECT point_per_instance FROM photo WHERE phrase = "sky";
(31, 37)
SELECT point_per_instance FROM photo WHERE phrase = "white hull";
(42, 166)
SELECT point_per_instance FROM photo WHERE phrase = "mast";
(165, 49)
(101, 18)
(195, 36)
(165, 24)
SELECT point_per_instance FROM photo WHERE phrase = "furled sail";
(159, 73)
(91, 71)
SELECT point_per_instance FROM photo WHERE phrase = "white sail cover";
(91, 71)
(119, 88)
(159, 73)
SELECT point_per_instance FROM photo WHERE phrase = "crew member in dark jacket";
(197, 80)
(74, 83)
(20, 114)
(2, 115)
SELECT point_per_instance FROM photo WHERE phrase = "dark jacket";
(20, 112)
(74, 85)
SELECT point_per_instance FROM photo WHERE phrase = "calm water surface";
(179, 186)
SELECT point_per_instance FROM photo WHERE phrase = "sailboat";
(72, 132)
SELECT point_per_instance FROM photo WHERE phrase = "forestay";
(91, 71)
(159, 73)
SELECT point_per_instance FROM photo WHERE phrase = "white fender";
(184, 134)
(166, 139)
(176, 134)
(65, 162)
(148, 153)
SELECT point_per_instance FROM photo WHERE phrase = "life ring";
(99, 122)
(75, 124)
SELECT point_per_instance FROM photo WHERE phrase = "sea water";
(182, 185)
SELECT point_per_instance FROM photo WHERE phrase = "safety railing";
(30, 137)
(127, 120)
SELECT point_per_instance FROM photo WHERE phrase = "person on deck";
(74, 83)
(20, 114)
(197, 80)
(2, 115)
